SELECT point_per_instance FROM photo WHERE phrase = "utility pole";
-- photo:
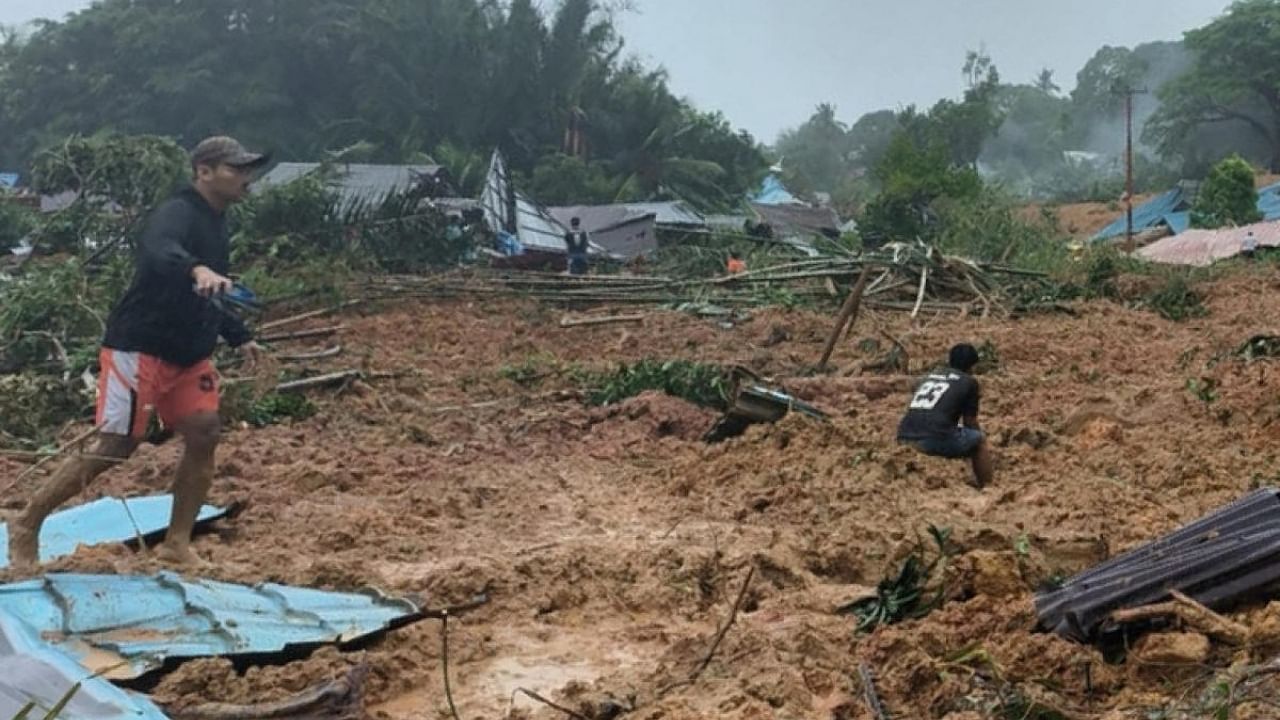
(1128, 170)
(1128, 91)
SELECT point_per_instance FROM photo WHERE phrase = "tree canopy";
(303, 77)
(1234, 81)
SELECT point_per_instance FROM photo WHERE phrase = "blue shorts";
(960, 444)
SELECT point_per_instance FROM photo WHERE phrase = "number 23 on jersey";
(929, 394)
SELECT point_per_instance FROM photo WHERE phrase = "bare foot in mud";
(180, 556)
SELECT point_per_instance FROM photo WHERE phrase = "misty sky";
(767, 63)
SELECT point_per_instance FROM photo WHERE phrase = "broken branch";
(318, 332)
(848, 314)
(1191, 613)
(318, 355)
(75, 442)
(444, 660)
(715, 644)
(568, 322)
(869, 691)
(274, 324)
(548, 703)
(311, 703)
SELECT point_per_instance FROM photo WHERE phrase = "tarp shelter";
(621, 231)
(128, 626)
(1204, 247)
(104, 521)
(33, 671)
(358, 183)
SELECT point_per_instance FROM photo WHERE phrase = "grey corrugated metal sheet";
(359, 182)
(104, 620)
(31, 670)
(620, 230)
(1219, 559)
(734, 223)
(675, 213)
(799, 219)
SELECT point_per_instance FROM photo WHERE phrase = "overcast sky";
(767, 63)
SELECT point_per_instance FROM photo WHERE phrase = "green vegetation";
(1228, 197)
(699, 383)
(904, 594)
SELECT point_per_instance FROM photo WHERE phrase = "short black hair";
(963, 357)
(574, 221)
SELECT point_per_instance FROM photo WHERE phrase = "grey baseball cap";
(220, 149)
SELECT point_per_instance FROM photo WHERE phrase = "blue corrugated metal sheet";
(143, 621)
(1178, 222)
(31, 670)
(1169, 209)
(1149, 214)
(1269, 202)
(108, 520)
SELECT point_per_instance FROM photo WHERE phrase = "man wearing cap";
(156, 353)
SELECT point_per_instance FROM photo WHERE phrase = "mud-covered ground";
(612, 542)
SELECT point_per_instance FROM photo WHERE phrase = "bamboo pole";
(848, 313)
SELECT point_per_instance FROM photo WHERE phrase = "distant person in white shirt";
(1249, 246)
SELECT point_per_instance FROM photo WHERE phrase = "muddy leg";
(73, 475)
(983, 465)
(200, 435)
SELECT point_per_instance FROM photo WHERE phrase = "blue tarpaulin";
(8, 180)
(32, 671)
(107, 620)
(108, 520)
(773, 192)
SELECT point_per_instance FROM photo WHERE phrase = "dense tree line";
(384, 80)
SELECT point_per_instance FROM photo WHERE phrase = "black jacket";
(160, 314)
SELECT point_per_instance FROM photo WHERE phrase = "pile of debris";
(909, 277)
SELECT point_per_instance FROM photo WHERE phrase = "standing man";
(156, 352)
(943, 398)
(577, 242)
(1249, 246)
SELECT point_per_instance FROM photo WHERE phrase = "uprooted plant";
(699, 383)
(904, 594)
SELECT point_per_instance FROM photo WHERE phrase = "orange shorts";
(132, 385)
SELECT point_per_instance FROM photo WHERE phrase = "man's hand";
(208, 282)
(253, 355)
